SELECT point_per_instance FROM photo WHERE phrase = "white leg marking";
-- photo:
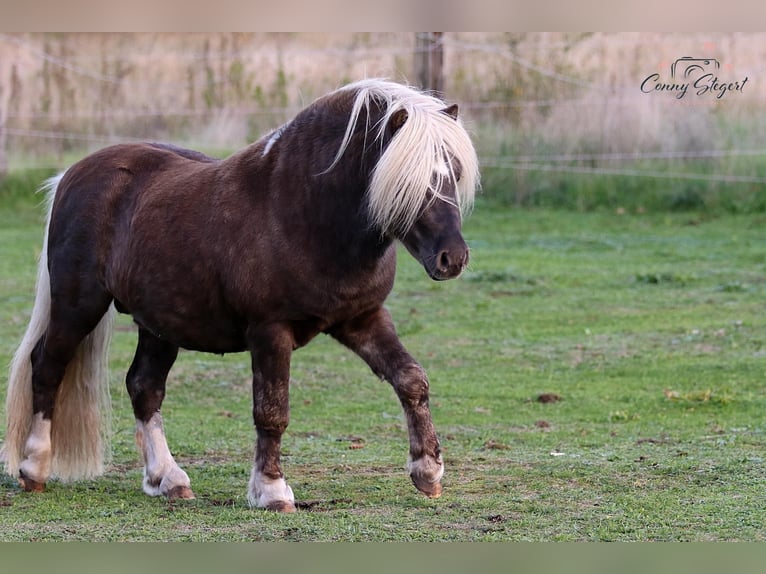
(161, 473)
(427, 467)
(37, 451)
(426, 473)
(264, 492)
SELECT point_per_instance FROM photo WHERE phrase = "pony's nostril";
(444, 260)
(450, 263)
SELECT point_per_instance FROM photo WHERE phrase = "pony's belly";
(184, 310)
(208, 333)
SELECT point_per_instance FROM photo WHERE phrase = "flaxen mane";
(406, 176)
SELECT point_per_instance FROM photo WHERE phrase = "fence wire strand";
(591, 93)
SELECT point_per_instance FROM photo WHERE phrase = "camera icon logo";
(687, 66)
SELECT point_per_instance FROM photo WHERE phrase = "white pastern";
(162, 476)
(427, 469)
(264, 492)
(37, 451)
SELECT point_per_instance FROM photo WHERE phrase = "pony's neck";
(329, 205)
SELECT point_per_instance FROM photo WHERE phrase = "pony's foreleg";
(373, 337)
(271, 347)
(146, 387)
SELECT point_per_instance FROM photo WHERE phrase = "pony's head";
(426, 175)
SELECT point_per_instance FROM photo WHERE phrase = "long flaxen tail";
(81, 424)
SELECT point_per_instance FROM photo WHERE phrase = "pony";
(292, 236)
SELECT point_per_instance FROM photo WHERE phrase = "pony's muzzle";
(450, 262)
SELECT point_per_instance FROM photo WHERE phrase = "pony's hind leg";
(49, 362)
(55, 350)
(146, 387)
(374, 339)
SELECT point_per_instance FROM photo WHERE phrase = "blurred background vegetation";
(559, 118)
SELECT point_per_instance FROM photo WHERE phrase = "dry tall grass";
(529, 94)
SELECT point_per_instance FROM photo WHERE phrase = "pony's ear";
(451, 111)
(397, 120)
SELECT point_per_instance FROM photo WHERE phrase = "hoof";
(426, 474)
(284, 506)
(182, 492)
(431, 490)
(435, 492)
(30, 485)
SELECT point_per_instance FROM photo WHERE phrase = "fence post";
(3, 154)
(429, 62)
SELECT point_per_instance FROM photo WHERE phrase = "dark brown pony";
(291, 237)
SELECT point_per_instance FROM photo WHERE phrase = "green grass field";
(594, 376)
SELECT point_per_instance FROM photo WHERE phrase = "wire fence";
(537, 103)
